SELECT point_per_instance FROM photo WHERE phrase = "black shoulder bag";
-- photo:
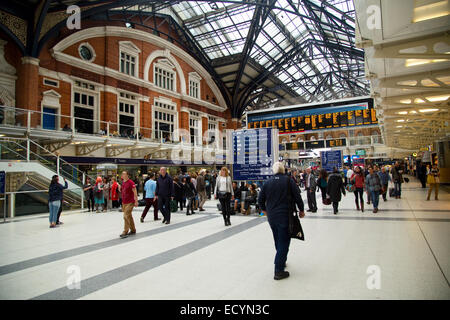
(295, 227)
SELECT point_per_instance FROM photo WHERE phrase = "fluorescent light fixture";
(428, 110)
(418, 100)
(418, 62)
(438, 98)
(399, 126)
(400, 120)
(402, 112)
(431, 11)
(405, 101)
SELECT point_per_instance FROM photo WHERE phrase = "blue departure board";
(252, 154)
(331, 159)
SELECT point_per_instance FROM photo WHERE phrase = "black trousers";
(324, 193)
(226, 208)
(280, 231)
(179, 203)
(164, 207)
(90, 203)
(311, 195)
(359, 192)
(335, 206)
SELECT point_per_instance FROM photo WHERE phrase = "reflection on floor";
(399, 253)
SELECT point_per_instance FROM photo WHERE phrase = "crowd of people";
(189, 191)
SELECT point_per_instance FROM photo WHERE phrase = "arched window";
(313, 138)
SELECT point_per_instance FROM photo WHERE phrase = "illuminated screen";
(339, 114)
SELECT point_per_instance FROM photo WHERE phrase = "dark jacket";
(189, 190)
(396, 175)
(335, 187)
(164, 186)
(273, 197)
(179, 191)
(55, 191)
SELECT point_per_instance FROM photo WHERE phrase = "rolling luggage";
(391, 192)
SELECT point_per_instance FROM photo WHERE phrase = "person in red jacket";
(114, 193)
(357, 179)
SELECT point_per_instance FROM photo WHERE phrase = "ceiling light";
(438, 98)
(405, 101)
(402, 112)
(428, 110)
(399, 126)
(400, 120)
(418, 62)
(418, 100)
(413, 112)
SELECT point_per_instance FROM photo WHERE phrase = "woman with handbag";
(322, 183)
(334, 189)
(433, 181)
(357, 182)
(98, 194)
(224, 192)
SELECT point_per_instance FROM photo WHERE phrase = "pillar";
(27, 94)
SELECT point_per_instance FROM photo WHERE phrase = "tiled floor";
(197, 257)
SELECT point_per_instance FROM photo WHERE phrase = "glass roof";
(325, 29)
(258, 52)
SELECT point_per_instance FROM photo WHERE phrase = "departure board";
(330, 116)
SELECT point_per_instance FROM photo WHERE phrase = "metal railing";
(11, 195)
(31, 119)
(21, 149)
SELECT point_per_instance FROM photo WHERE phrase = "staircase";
(29, 169)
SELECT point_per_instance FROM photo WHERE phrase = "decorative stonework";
(5, 67)
(16, 25)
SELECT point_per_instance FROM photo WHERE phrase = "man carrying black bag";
(274, 202)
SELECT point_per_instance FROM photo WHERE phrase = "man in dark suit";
(164, 193)
(274, 202)
(311, 186)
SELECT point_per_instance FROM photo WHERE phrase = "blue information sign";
(2, 181)
(331, 159)
(252, 154)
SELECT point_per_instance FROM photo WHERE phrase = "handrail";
(10, 139)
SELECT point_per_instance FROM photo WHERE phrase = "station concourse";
(113, 113)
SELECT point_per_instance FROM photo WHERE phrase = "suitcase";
(391, 192)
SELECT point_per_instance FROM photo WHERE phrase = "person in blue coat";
(273, 200)
(55, 195)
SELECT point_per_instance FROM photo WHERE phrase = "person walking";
(55, 195)
(334, 189)
(149, 191)
(106, 194)
(179, 192)
(129, 200)
(433, 181)
(208, 184)
(357, 180)
(88, 189)
(322, 183)
(310, 186)
(114, 193)
(422, 174)
(274, 203)
(201, 189)
(98, 194)
(191, 192)
(397, 178)
(384, 178)
(373, 185)
(164, 193)
(224, 192)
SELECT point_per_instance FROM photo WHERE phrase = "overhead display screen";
(341, 114)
